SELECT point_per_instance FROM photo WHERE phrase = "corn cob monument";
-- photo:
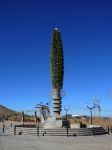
(56, 71)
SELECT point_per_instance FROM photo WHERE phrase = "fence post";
(14, 130)
(37, 130)
(67, 131)
(3, 128)
(93, 131)
(108, 130)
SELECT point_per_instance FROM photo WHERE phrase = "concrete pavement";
(28, 142)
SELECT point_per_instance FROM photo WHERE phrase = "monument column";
(56, 70)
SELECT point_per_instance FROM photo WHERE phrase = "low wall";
(36, 130)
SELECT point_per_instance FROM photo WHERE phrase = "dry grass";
(103, 121)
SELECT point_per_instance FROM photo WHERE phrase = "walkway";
(28, 142)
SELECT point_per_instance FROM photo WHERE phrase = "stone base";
(57, 116)
(51, 122)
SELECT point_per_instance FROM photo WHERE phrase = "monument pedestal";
(51, 122)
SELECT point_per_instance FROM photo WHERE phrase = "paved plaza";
(29, 142)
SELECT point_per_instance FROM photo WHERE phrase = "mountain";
(9, 114)
(12, 115)
(6, 111)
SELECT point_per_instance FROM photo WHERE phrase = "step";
(60, 132)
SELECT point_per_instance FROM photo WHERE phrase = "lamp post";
(66, 109)
(91, 108)
(35, 116)
(23, 117)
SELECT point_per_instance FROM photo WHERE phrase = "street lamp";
(23, 119)
(91, 108)
(66, 109)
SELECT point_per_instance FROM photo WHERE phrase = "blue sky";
(25, 38)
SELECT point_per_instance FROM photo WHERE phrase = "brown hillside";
(6, 111)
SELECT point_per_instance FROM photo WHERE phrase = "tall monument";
(56, 70)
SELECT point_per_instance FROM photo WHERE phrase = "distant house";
(75, 115)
